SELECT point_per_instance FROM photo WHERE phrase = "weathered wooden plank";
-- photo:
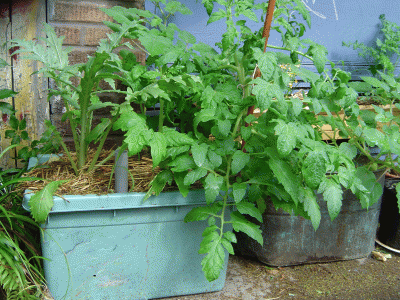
(27, 19)
(5, 79)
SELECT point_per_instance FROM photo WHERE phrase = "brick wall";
(81, 22)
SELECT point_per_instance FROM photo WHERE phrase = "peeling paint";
(23, 7)
(27, 18)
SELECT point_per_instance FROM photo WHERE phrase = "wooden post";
(27, 18)
(5, 79)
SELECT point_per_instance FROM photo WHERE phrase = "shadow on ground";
(360, 279)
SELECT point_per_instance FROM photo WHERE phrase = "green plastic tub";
(116, 247)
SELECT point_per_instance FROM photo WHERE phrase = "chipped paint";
(24, 25)
(5, 81)
(31, 102)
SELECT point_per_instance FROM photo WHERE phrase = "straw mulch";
(96, 182)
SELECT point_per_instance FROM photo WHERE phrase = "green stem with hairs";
(161, 116)
(287, 49)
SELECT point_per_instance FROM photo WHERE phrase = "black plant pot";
(389, 220)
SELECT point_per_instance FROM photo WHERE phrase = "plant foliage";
(204, 131)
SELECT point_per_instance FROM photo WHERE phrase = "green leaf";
(215, 16)
(22, 124)
(239, 190)
(173, 152)
(389, 79)
(213, 262)
(398, 195)
(311, 206)
(314, 169)
(348, 150)
(179, 178)
(374, 137)
(204, 115)
(306, 75)
(333, 195)
(130, 119)
(224, 127)
(100, 105)
(376, 82)
(247, 208)
(187, 37)
(211, 221)
(250, 14)
(370, 191)
(14, 123)
(266, 62)
(214, 158)
(213, 185)
(286, 177)
(158, 146)
(230, 236)
(24, 136)
(239, 161)
(42, 202)
(318, 53)
(3, 63)
(245, 132)
(227, 245)
(203, 212)
(6, 108)
(303, 11)
(360, 87)
(136, 140)
(286, 138)
(209, 5)
(199, 153)
(240, 223)
(98, 131)
(155, 91)
(175, 138)
(6, 93)
(265, 91)
(155, 46)
(264, 99)
(182, 163)
(297, 106)
(158, 183)
(194, 175)
(174, 6)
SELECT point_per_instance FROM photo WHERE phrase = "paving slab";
(360, 279)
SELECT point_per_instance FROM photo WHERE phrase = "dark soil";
(360, 279)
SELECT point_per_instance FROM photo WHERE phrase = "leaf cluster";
(21, 273)
(242, 160)
(384, 51)
(204, 131)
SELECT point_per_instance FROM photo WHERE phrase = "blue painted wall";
(332, 21)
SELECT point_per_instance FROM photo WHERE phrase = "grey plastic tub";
(292, 240)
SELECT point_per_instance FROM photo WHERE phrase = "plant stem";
(161, 116)
(64, 146)
(93, 165)
(287, 49)
(228, 186)
(72, 123)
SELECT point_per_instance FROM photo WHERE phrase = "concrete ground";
(360, 279)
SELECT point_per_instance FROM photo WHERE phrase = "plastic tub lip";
(73, 203)
(117, 201)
